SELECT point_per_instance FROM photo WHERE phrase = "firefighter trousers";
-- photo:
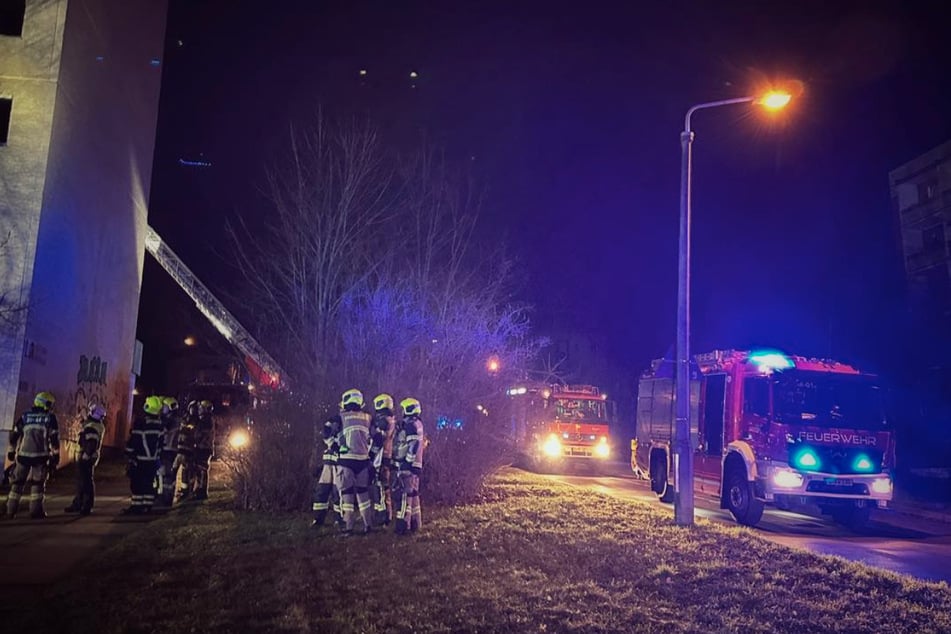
(325, 494)
(142, 483)
(202, 468)
(353, 485)
(32, 476)
(85, 487)
(409, 513)
(380, 495)
(169, 475)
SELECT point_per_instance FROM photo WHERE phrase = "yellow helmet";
(206, 406)
(171, 402)
(383, 401)
(153, 405)
(351, 397)
(411, 407)
(44, 400)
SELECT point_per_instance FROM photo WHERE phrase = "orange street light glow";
(775, 100)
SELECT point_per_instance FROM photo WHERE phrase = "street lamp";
(682, 450)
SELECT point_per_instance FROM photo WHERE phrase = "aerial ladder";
(271, 374)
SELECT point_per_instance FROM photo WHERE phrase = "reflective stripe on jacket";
(145, 442)
(35, 435)
(90, 440)
(354, 436)
(409, 444)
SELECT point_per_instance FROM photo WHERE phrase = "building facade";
(79, 92)
(921, 195)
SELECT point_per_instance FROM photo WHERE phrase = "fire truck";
(556, 426)
(771, 428)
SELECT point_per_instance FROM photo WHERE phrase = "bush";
(456, 463)
(274, 472)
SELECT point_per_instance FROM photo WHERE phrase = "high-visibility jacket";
(35, 437)
(146, 440)
(409, 445)
(90, 440)
(382, 431)
(354, 436)
(173, 428)
(205, 434)
(326, 441)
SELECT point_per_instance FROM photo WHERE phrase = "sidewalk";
(36, 553)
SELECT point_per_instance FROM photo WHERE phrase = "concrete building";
(79, 91)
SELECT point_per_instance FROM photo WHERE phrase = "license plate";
(839, 482)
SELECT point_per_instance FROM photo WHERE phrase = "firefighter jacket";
(382, 430)
(409, 445)
(354, 436)
(205, 434)
(327, 445)
(35, 437)
(146, 440)
(90, 440)
(186, 436)
(173, 429)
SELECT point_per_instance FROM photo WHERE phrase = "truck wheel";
(744, 506)
(659, 482)
(852, 517)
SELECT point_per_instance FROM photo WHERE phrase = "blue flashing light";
(863, 463)
(807, 460)
(188, 163)
(769, 360)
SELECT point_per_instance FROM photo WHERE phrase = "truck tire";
(659, 483)
(744, 506)
(852, 517)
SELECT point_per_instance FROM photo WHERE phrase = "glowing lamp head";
(552, 447)
(602, 449)
(807, 460)
(768, 361)
(863, 464)
(239, 439)
(775, 100)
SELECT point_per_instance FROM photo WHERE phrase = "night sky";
(570, 116)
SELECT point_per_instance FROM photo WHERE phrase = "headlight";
(602, 450)
(239, 439)
(552, 446)
(787, 479)
(882, 486)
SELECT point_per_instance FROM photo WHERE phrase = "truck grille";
(835, 486)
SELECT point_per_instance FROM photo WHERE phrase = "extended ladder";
(214, 310)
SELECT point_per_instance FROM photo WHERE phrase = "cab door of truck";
(709, 453)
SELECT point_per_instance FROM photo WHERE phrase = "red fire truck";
(558, 425)
(771, 428)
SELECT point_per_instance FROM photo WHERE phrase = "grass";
(535, 556)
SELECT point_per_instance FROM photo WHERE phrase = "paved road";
(893, 541)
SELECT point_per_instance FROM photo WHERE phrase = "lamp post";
(682, 453)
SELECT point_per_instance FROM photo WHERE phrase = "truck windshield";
(580, 409)
(828, 400)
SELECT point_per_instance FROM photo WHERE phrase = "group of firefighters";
(368, 463)
(161, 444)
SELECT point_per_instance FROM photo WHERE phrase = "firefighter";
(90, 442)
(34, 448)
(325, 444)
(353, 463)
(204, 448)
(382, 430)
(143, 450)
(185, 460)
(168, 469)
(408, 456)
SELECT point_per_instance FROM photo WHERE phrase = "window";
(756, 396)
(6, 109)
(933, 238)
(11, 17)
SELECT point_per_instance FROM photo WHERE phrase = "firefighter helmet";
(153, 405)
(44, 400)
(351, 397)
(193, 408)
(97, 412)
(383, 401)
(206, 407)
(171, 403)
(411, 407)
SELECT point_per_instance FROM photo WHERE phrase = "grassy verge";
(535, 556)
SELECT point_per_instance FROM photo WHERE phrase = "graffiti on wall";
(91, 380)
